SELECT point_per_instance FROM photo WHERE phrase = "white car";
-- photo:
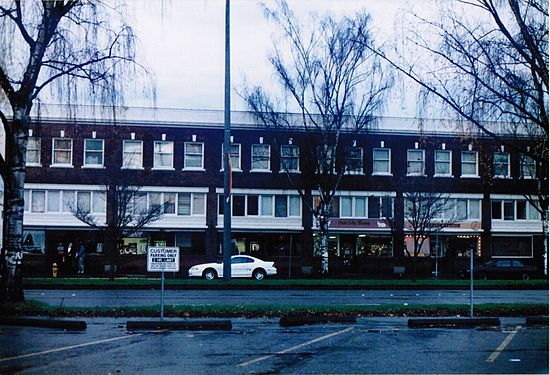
(241, 266)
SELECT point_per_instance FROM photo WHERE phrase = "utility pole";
(227, 156)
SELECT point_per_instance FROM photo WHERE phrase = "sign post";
(161, 259)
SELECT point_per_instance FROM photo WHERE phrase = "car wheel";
(258, 274)
(525, 276)
(210, 274)
(483, 276)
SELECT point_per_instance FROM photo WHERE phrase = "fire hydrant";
(54, 270)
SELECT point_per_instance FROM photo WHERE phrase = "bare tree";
(71, 47)
(127, 213)
(487, 60)
(425, 214)
(336, 85)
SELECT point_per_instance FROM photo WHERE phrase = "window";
(528, 167)
(235, 156)
(374, 207)
(354, 161)
(83, 201)
(325, 159)
(290, 158)
(198, 204)
(442, 163)
(68, 200)
(53, 200)
(281, 206)
(294, 205)
(62, 152)
(93, 152)
(469, 164)
(501, 164)
(267, 205)
(518, 246)
(38, 204)
(98, 202)
(381, 161)
(169, 203)
(163, 155)
(521, 210)
(194, 155)
(252, 205)
(474, 209)
(184, 204)
(260, 157)
(510, 210)
(238, 203)
(360, 204)
(346, 206)
(415, 162)
(132, 154)
(33, 151)
(191, 204)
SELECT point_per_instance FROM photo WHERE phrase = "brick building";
(176, 156)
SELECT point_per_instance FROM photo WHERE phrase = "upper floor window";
(62, 151)
(415, 162)
(194, 155)
(33, 151)
(325, 159)
(163, 155)
(65, 201)
(381, 161)
(132, 154)
(373, 207)
(260, 157)
(262, 205)
(528, 166)
(469, 164)
(290, 158)
(235, 153)
(512, 209)
(442, 163)
(501, 164)
(354, 160)
(93, 152)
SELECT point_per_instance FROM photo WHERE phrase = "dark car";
(504, 269)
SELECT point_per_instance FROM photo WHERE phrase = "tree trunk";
(324, 221)
(14, 184)
(545, 240)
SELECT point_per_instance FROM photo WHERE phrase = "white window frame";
(507, 175)
(87, 165)
(192, 206)
(37, 150)
(529, 165)
(62, 165)
(260, 145)
(171, 153)
(462, 162)
(128, 164)
(284, 158)
(186, 153)
(388, 172)
(234, 167)
(359, 171)
(422, 162)
(449, 163)
(528, 209)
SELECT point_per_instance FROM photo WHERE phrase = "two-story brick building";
(176, 158)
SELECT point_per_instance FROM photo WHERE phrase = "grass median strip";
(34, 308)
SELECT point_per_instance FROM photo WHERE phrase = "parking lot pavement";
(377, 345)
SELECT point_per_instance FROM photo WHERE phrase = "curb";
(536, 320)
(190, 325)
(293, 321)
(71, 325)
(453, 322)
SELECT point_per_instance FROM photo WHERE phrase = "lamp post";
(227, 155)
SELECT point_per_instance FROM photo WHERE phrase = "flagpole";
(227, 156)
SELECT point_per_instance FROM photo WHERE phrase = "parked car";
(241, 266)
(503, 269)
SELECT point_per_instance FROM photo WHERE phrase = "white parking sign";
(163, 259)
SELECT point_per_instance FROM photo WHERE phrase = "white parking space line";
(259, 359)
(502, 346)
(69, 347)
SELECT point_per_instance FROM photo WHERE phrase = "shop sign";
(359, 223)
(163, 259)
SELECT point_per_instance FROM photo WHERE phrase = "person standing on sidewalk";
(80, 255)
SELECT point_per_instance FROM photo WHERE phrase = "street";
(118, 298)
(373, 345)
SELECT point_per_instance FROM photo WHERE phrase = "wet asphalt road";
(261, 346)
(117, 298)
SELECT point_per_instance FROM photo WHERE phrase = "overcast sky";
(182, 41)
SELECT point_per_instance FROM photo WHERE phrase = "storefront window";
(512, 246)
